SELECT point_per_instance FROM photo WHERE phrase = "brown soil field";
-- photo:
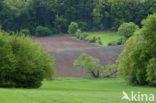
(55, 43)
(66, 50)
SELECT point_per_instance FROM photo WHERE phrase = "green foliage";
(95, 39)
(25, 31)
(85, 37)
(105, 36)
(99, 41)
(92, 40)
(151, 71)
(60, 24)
(24, 64)
(138, 58)
(73, 27)
(112, 43)
(121, 41)
(110, 70)
(127, 29)
(110, 14)
(42, 31)
(58, 14)
(90, 64)
(78, 33)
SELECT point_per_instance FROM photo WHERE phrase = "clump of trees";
(85, 37)
(110, 14)
(73, 28)
(23, 63)
(90, 64)
(58, 14)
(42, 31)
(126, 30)
(137, 61)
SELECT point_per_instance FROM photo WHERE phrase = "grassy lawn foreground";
(74, 90)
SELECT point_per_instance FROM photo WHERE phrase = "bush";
(78, 33)
(137, 61)
(127, 29)
(151, 71)
(110, 70)
(89, 64)
(25, 32)
(83, 26)
(92, 39)
(99, 42)
(73, 27)
(112, 43)
(83, 36)
(24, 64)
(121, 41)
(42, 31)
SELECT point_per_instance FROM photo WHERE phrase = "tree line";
(56, 15)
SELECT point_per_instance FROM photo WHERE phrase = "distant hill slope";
(55, 43)
(66, 58)
(67, 50)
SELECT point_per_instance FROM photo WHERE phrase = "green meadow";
(74, 90)
(106, 36)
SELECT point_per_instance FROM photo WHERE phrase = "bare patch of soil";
(55, 43)
(66, 50)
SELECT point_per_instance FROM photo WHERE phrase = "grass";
(74, 90)
(106, 36)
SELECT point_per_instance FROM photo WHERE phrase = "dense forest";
(91, 15)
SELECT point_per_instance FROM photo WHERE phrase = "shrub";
(89, 64)
(112, 43)
(24, 64)
(83, 36)
(78, 33)
(92, 39)
(73, 27)
(99, 42)
(110, 70)
(25, 32)
(121, 41)
(151, 71)
(127, 29)
(42, 31)
(137, 60)
(83, 26)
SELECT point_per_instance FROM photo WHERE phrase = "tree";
(42, 31)
(127, 29)
(137, 61)
(89, 64)
(73, 27)
(24, 64)
(110, 14)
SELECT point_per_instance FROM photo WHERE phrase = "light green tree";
(73, 27)
(127, 29)
(90, 64)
